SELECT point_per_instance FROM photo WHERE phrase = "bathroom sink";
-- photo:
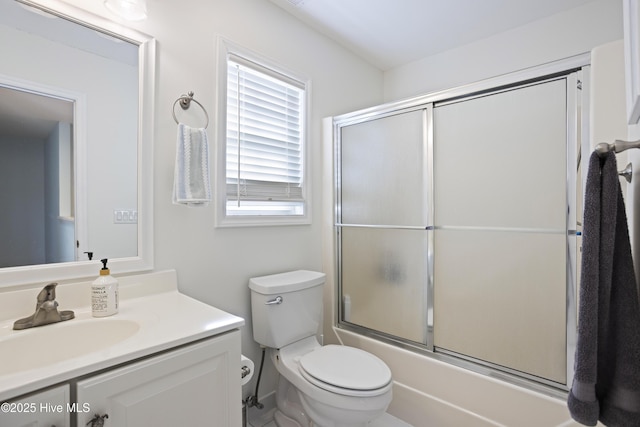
(153, 317)
(45, 345)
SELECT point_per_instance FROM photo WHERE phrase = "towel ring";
(185, 103)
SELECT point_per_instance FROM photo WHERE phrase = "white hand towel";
(191, 182)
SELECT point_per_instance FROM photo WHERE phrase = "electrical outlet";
(125, 216)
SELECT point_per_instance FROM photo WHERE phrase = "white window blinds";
(264, 148)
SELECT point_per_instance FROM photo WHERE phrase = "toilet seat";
(346, 370)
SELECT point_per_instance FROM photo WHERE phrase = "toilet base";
(291, 411)
(386, 420)
(282, 420)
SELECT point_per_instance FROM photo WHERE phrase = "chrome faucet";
(46, 310)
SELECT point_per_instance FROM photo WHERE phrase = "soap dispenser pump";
(104, 293)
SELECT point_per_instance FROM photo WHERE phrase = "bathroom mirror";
(76, 122)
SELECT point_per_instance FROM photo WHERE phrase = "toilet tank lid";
(286, 282)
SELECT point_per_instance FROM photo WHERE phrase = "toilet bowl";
(334, 385)
(325, 386)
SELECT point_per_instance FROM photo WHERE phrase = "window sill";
(262, 221)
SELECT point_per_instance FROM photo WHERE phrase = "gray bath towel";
(606, 384)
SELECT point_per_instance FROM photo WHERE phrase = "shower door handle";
(276, 300)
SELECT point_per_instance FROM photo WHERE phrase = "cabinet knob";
(97, 420)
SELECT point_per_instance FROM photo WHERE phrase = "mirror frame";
(13, 276)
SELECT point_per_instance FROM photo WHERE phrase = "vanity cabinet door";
(198, 384)
(49, 408)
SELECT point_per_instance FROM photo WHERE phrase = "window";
(264, 178)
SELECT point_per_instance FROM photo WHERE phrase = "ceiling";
(390, 33)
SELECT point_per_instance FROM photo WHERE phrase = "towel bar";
(617, 146)
(185, 103)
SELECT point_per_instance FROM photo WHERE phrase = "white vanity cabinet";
(48, 408)
(188, 386)
(197, 384)
(164, 360)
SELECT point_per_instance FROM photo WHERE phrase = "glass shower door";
(456, 221)
(500, 268)
(382, 224)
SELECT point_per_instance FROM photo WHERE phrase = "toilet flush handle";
(276, 300)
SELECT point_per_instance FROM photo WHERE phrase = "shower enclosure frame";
(576, 72)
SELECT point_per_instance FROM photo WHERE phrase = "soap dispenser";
(104, 293)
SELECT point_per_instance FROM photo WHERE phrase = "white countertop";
(166, 319)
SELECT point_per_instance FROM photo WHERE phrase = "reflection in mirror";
(76, 94)
(36, 177)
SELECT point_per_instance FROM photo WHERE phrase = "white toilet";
(326, 386)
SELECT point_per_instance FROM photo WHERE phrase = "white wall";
(633, 192)
(569, 33)
(214, 265)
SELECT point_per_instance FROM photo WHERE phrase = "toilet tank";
(286, 307)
